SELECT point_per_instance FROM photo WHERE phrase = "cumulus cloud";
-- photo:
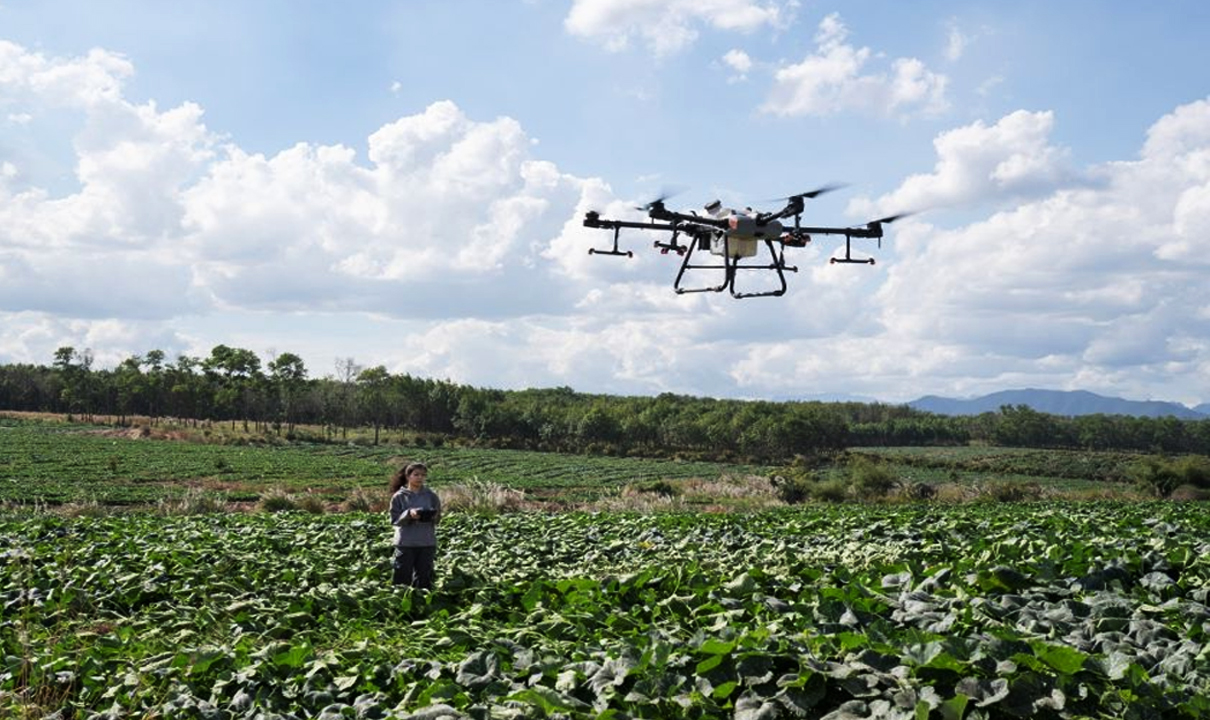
(31, 337)
(666, 26)
(446, 247)
(1073, 286)
(1097, 278)
(740, 64)
(444, 216)
(834, 79)
(184, 219)
(1009, 160)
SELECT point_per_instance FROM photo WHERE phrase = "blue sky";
(402, 184)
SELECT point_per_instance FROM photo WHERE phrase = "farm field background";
(1093, 609)
(55, 463)
(908, 610)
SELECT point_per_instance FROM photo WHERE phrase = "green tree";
(287, 378)
(154, 383)
(75, 369)
(372, 386)
(237, 374)
(130, 386)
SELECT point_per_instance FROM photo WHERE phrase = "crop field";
(1068, 469)
(959, 611)
(53, 463)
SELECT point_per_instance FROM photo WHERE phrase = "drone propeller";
(811, 194)
(818, 191)
(887, 221)
(665, 193)
(892, 218)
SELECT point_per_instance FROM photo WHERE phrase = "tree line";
(233, 385)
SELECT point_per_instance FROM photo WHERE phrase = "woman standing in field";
(415, 512)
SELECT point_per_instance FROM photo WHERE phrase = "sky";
(404, 183)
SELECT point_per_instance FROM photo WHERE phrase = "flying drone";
(734, 238)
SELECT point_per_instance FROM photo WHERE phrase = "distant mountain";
(1059, 402)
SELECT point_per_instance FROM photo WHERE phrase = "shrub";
(657, 487)
(194, 501)
(481, 497)
(1194, 470)
(277, 500)
(870, 479)
(793, 489)
(84, 508)
(311, 503)
(629, 500)
(835, 490)
(1186, 493)
(919, 491)
(1159, 476)
(1008, 491)
(366, 500)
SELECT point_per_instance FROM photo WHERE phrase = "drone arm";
(593, 220)
(873, 230)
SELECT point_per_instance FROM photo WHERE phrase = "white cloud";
(182, 218)
(956, 43)
(666, 26)
(32, 337)
(448, 248)
(739, 62)
(1010, 160)
(833, 80)
(81, 82)
(1094, 279)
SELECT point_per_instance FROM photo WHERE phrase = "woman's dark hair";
(400, 478)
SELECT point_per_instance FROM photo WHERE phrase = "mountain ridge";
(1059, 402)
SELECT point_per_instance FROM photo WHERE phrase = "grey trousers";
(414, 566)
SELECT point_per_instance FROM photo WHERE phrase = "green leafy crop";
(1060, 610)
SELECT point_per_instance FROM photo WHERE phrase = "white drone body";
(743, 234)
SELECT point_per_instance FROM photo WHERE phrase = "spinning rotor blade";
(665, 193)
(818, 191)
(892, 218)
(809, 194)
(877, 224)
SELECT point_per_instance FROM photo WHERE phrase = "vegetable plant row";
(57, 464)
(1064, 610)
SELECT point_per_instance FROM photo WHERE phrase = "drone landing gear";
(615, 250)
(729, 266)
(848, 254)
(672, 245)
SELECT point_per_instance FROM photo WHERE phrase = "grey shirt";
(415, 533)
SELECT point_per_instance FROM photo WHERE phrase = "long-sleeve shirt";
(415, 533)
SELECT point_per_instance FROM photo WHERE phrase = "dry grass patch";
(194, 501)
(479, 496)
(366, 500)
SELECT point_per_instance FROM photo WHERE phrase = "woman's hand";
(414, 513)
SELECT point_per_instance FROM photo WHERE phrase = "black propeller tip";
(665, 194)
(892, 218)
(819, 191)
(810, 194)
